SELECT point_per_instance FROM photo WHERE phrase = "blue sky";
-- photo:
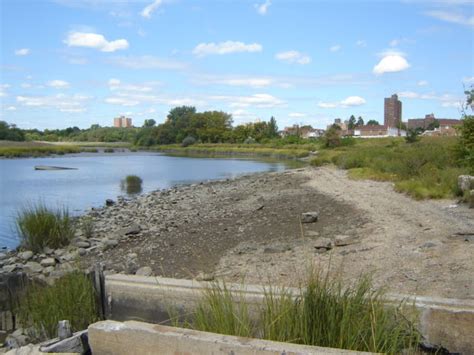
(79, 62)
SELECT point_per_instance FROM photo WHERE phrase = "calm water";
(98, 178)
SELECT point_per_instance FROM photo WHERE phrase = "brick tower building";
(392, 111)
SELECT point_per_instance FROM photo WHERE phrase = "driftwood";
(47, 167)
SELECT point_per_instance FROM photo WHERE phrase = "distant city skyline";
(82, 62)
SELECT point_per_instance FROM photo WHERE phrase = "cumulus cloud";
(468, 80)
(361, 43)
(256, 100)
(96, 41)
(263, 7)
(22, 51)
(63, 103)
(117, 85)
(58, 84)
(148, 10)
(3, 89)
(452, 17)
(147, 62)
(335, 48)
(445, 100)
(349, 101)
(391, 62)
(297, 115)
(11, 108)
(422, 83)
(203, 49)
(293, 57)
(253, 82)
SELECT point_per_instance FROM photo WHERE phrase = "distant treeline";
(181, 123)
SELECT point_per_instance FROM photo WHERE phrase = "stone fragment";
(82, 251)
(33, 266)
(26, 255)
(309, 217)
(83, 244)
(465, 182)
(109, 202)
(144, 271)
(48, 262)
(130, 230)
(324, 243)
(77, 343)
(109, 244)
(202, 276)
(342, 240)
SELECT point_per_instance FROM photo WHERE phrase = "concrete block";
(117, 338)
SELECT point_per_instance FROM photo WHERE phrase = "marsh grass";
(132, 184)
(39, 226)
(323, 313)
(87, 226)
(27, 150)
(71, 297)
(109, 150)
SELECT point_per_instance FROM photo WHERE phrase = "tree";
(272, 128)
(149, 123)
(412, 136)
(352, 122)
(360, 121)
(373, 123)
(332, 137)
(433, 125)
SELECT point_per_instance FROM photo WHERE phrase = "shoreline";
(250, 227)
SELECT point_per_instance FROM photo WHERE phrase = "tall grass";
(72, 298)
(39, 226)
(323, 313)
(36, 151)
(132, 184)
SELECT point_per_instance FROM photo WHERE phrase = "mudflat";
(250, 228)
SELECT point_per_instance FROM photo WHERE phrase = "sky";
(82, 62)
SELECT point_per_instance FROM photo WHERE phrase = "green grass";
(27, 150)
(72, 298)
(109, 150)
(324, 313)
(426, 169)
(39, 226)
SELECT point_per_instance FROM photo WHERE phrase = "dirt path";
(250, 228)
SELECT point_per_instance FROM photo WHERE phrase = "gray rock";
(59, 252)
(69, 256)
(26, 255)
(465, 182)
(48, 262)
(48, 250)
(132, 255)
(204, 277)
(276, 249)
(144, 271)
(77, 343)
(311, 234)
(83, 244)
(324, 243)
(3, 256)
(109, 202)
(309, 217)
(109, 244)
(130, 230)
(12, 267)
(82, 251)
(342, 240)
(48, 270)
(33, 266)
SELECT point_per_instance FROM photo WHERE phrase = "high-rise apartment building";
(392, 111)
(122, 121)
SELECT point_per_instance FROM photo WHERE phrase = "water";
(98, 178)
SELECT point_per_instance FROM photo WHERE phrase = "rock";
(26, 255)
(77, 344)
(324, 243)
(109, 202)
(465, 182)
(471, 199)
(276, 249)
(311, 234)
(109, 244)
(204, 277)
(12, 267)
(29, 349)
(309, 217)
(48, 250)
(130, 230)
(64, 329)
(82, 251)
(144, 271)
(3, 256)
(428, 245)
(48, 270)
(342, 240)
(69, 256)
(83, 244)
(59, 252)
(48, 262)
(16, 340)
(33, 266)
(132, 255)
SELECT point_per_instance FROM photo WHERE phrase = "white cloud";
(468, 80)
(394, 42)
(117, 85)
(254, 82)
(25, 85)
(263, 7)
(293, 57)
(58, 84)
(243, 116)
(391, 62)
(60, 102)
(297, 115)
(445, 100)
(148, 10)
(3, 90)
(422, 83)
(361, 43)
(148, 62)
(335, 48)
(203, 49)
(122, 101)
(96, 41)
(130, 98)
(22, 51)
(452, 17)
(349, 101)
(11, 108)
(256, 100)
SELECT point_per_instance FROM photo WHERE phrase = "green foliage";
(10, 132)
(360, 121)
(109, 150)
(132, 184)
(465, 147)
(324, 313)
(373, 123)
(250, 140)
(352, 122)
(40, 227)
(87, 226)
(149, 123)
(412, 136)
(189, 140)
(332, 137)
(72, 298)
(29, 149)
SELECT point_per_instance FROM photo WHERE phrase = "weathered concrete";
(110, 337)
(443, 322)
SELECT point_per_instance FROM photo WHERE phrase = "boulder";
(83, 244)
(130, 230)
(471, 199)
(342, 240)
(309, 217)
(144, 271)
(323, 243)
(109, 202)
(48, 262)
(465, 182)
(109, 244)
(33, 266)
(77, 343)
(26, 255)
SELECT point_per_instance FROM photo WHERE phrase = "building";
(304, 132)
(377, 131)
(122, 121)
(392, 111)
(430, 121)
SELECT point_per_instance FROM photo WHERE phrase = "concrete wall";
(443, 322)
(117, 338)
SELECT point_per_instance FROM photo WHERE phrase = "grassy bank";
(274, 151)
(425, 169)
(34, 149)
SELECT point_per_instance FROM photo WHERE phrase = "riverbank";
(250, 228)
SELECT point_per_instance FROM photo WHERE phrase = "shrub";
(189, 140)
(465, 146)
(332, 138)
(132, 184)
(87, 227)
(71, 297)
(39, 227)
(109, 150)
(250, 140)
(412, 136)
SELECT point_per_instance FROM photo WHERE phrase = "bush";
(465, 146)
(71, 297)
(332, 138)
(109, 150)
(132, 184)
(412, 136)
(87, 227)
(41, 227)
(250, 140)
(188, 141)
